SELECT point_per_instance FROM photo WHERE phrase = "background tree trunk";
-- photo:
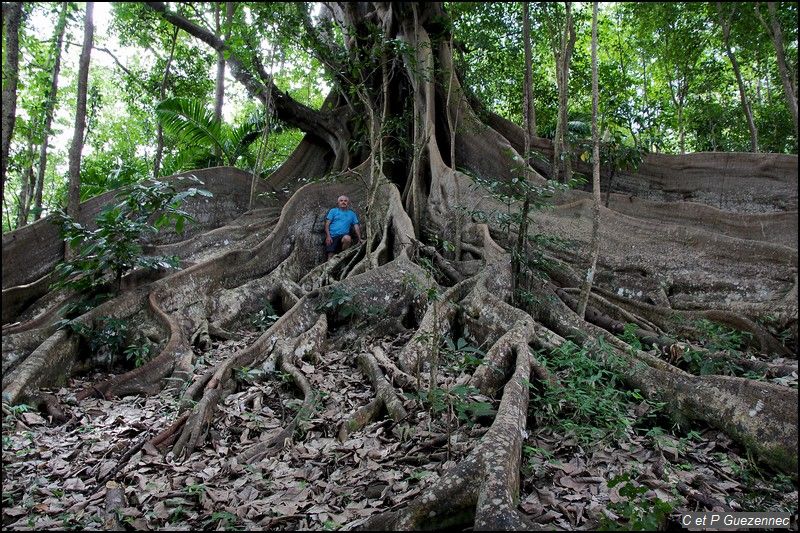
(586, 286)
(27, 182)
(725, 23)
(49, 109)
(12, 19)
(530, 109)
(563, 58)
(775, 32)
(224, 31)
(162, 95)
(73, 198)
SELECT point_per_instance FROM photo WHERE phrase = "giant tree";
(665, 264)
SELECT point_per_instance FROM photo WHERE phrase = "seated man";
(338, 224)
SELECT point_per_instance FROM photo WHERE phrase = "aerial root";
(439, 262)
(17, 298)
(293, 325)
(308, 345)
(324, 273)
(434, 324)
(385, 396)
(761, 416)
(405, 381)
(279, 440)
(664, 318)
(490, 375)
(198, 423)
(616, 327)
(486, 480)
(615, 311)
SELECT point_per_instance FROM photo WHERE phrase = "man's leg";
(333, 248)
(347, 240)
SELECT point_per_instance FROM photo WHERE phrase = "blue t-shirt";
(341, 221)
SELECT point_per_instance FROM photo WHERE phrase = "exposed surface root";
(385, 398)
(487, 480)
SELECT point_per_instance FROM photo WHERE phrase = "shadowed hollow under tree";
(686, 238)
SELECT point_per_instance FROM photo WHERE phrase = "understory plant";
(115, 246)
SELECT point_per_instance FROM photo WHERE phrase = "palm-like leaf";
(189, 120)
(244, 135)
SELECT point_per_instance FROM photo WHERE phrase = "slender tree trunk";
(725, 23)
(27, 182)
(74, 197)
(586, 287)
(12, 20)
(223, 30)
(452, 125)
(49, 109)
(518, 254)
(775, 32)
(561, 145)
(162, 95)
(526, 37)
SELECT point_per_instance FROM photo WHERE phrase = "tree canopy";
(665, 81)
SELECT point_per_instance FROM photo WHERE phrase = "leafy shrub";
(115, 246)
(263, 319)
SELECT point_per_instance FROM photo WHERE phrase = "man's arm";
(328, 239)
(357, 228)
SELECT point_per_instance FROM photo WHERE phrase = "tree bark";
(12, 21)
(563, 58)
(586, 287)
(27, 183)
(775, 32)
(725, 24)
(519, 254)
(73, 199)
(49, 109)
(224, 31)
(529, 107)
(162, 95)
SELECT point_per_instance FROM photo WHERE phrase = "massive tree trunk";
(666, 262)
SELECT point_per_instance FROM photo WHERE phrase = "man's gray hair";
(343, 196)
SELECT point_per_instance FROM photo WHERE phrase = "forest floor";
(579, 472)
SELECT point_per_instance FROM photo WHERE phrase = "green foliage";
(107, 339)
(115, 246)
(248, 375)
(263, 319)
(207, 141)
(460, 355)
(223, 520)
(464, 401)
(338, 302)
(588, 402)
(139, 354)
(637, 512)
(716, 337)
(630, 337)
